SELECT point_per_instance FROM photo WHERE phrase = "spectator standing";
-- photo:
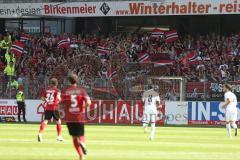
(9, 73)
(21, 104)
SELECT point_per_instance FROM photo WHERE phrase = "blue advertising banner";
(207, 113)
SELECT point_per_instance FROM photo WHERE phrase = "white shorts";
(231, 116)
(149, 117)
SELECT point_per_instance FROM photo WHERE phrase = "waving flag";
(195, 60)
(17, 48)
(103, 52)
(163, 62)
(144, 58)
(63, 44)
(24, 37)
(157, 33)
(171, 36)
(162, 59)
(187, 54)
(190, 57)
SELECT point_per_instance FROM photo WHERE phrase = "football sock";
(234, 125)
(77, 147)
(228, 129)
(145, 125)
(42, 127)
(153, 129)
(59, 129)
(82, 139)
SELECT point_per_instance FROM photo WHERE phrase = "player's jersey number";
(74, 105)
(150, 99)
(74, 102)
(50, 97)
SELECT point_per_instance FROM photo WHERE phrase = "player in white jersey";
(151, 101)
(230, 105)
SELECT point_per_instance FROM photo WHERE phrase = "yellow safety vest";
(20, 96)
(13, 84)
(9, 71)
(8, 58)
(3, 44)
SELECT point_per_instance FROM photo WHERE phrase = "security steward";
(21, 104)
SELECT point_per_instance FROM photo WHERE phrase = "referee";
(21, 104)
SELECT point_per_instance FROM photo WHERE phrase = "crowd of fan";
(42, 59)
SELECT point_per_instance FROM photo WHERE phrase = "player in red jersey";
(74, 101)
(52, 97)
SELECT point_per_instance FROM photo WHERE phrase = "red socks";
(59, 129)
(82, 139)
(77, 147)
(42, 127)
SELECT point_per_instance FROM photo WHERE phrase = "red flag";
(103, 50)
(157, 33)
(24, 37)
(163, 62)
(195, 60)
(171, 36)
(17, 48)
(190, 57)
(63, 44)
(187, 55)
(144, 58)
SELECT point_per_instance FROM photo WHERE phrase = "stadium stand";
(201, 58)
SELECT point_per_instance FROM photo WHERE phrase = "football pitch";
(19, 142)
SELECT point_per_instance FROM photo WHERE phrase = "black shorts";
(75, 129)
(49, 114)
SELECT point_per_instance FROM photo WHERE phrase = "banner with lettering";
(207, 113)
(129, 112)
(119, 8)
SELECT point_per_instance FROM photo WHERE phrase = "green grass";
(19, 141)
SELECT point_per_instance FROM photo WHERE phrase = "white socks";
(228, 126)
(234, 125)
(229, 130)
(153, 129)
(145, 125)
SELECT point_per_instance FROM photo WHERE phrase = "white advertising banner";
(176, 113)
(34, 110)
(120, 8)
(101, 111)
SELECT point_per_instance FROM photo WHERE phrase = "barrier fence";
(104, 89)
